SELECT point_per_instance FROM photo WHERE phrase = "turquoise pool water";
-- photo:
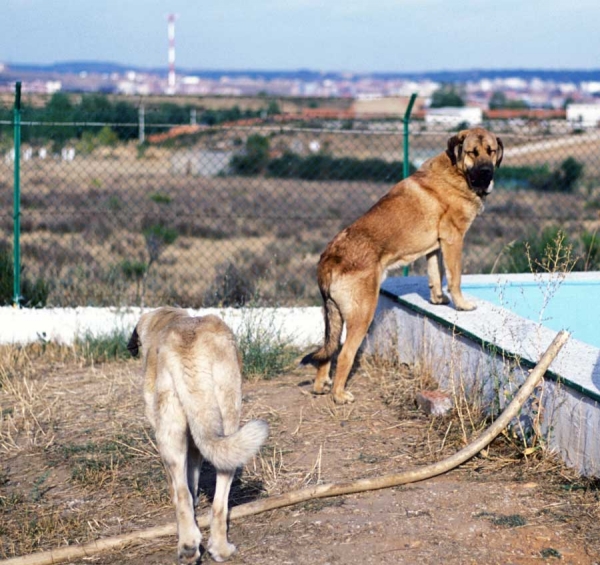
(573, 305)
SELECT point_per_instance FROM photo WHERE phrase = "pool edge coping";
(455, 325)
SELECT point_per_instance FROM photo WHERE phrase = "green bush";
(105, 347)
(255, 157)
(34, 293)
(265, 354)
(551, 250)
(540, 177)
(326, 167)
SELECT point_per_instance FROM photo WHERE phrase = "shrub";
(107, 137)
(33, 294)
(265, 353)
(255, 157)
(326, 167)
(541, 177)
(105, 347)
(552, 250)
(231, 287)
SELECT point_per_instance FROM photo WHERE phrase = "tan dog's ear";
(500, 152)
(455, 146)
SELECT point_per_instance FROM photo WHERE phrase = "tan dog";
(193, 394)
(426, 214)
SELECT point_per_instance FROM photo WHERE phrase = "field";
(127, 225)
(78, 463)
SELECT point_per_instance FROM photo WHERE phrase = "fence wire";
(131, 212)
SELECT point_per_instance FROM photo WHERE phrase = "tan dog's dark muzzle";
(481, 177)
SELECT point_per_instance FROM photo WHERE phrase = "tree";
(499, 101)
(446, 96)
(255, 158)
(59, 109)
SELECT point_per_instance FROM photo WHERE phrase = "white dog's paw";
(221, 551)
(188, 553)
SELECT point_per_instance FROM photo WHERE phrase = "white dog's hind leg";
(218, 546)
(194, 464)
(172, 441)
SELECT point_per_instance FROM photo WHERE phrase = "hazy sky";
(329, 35)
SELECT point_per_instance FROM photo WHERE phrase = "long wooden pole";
(319, 491)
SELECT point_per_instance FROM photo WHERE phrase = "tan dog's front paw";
(439, 298)
(343, 397)
(465, 305)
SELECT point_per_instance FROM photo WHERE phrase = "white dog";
(193, 394)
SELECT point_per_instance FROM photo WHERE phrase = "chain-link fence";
(123, 204)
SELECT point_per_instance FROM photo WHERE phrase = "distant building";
(583, 115)
(375, 105)
(453, 117)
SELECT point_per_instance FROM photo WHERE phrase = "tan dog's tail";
(334, 324)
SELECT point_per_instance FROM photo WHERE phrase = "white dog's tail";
(205, 419)
(227, 453)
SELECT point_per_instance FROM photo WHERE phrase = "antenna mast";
(171, 34)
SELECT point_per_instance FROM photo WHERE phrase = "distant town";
(536, 89)
(550, 92)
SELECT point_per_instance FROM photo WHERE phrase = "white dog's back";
(201, 358)
(193, 387)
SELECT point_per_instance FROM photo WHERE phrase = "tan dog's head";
(151, 324)
(476, 153)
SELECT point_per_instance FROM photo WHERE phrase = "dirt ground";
(77, 462)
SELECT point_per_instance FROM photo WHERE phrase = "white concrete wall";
(302, 327)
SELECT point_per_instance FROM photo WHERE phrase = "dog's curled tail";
(227, 453)
(334, 324)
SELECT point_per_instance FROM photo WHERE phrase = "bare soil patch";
(78, 463)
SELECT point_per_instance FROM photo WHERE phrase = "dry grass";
(83, 221)
(79, 462)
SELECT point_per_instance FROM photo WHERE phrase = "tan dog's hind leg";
(322, 380)
(218, 546)
(452, 253)
(358, 314)
(435, 274)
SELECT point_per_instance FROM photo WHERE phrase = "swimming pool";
(571, 303)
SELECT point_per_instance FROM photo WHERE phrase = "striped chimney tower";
(171, 33)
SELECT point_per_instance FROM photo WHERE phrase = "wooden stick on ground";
(319, 491)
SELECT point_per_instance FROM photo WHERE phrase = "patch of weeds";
(150, 482)
(105, 347)
(233, 286)
(115, 204)
(39, 490)
(161, 198)
(548, 552)
(3, 478)
(365, 458)
(320, 503)
(91, 461)
(503, 520)
(265, 353)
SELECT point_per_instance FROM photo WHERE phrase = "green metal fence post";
(17, 199)
(406, 120)
(405, 162)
